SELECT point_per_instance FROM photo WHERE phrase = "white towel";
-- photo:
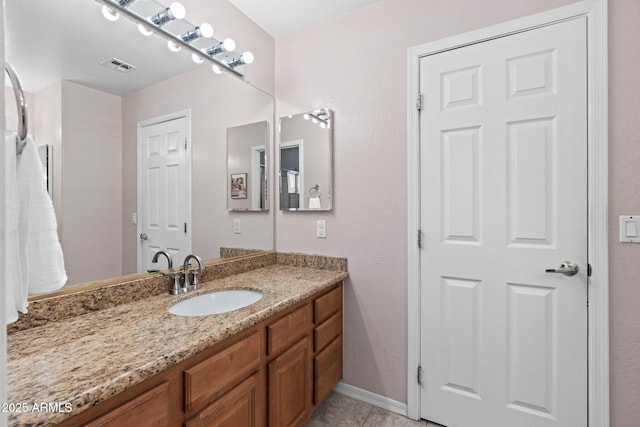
(14, 285)
(40, 251)
(314, 203)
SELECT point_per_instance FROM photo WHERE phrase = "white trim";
(150, 122)
(598, 312)
(371, 398)
(300, 144)
(255, 174)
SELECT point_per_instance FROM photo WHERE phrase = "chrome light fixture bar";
(122, 7)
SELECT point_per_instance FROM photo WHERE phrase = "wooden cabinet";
(272, 374)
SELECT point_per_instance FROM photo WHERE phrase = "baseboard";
(371, 398)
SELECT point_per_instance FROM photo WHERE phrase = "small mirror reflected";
(306, 166)
(247, 174)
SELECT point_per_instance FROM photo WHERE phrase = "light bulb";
(314, 120)
(216, 69)
(173, 47)
(144, 30)
(177, 10)
(110, 14)
(323, 125)
(247, 57)
(197, 58)
(206, 30)
(229, 45)
(306, 116)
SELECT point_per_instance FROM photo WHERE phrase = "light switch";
(134, 218)
(629, 229)
(237, 227)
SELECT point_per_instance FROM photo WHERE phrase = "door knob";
(143, 236)
(567, 268)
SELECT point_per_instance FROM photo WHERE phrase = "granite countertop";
(87, 359)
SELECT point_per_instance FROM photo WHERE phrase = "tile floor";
(339, 410)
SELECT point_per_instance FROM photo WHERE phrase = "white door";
(503, 198)
(165, 199)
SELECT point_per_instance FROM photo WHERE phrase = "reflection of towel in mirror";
(41, 257)
(291, 183)
(314, 203)
(15, 291)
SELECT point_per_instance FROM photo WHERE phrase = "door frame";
(186, 114)
(597, 170)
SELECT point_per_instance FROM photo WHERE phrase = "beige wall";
(91, 182)
(624, 199)
(355, 64)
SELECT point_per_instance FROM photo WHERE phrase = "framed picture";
(238, 185)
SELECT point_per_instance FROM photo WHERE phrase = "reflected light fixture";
(173, 46)
(175, 11)
(245, 58)
(197, 58)
(227, 45)
(112, 15)
(216, 69)
(144, 30)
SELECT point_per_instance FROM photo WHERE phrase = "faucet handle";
(195, 282)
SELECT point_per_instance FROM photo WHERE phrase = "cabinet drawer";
(208, 379)
(327, 304)
(327, 331)
(236, 408)
(149, 409)
(288, 329)
(327, 370)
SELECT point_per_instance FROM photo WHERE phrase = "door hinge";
(185, 227)
(420, 239)
(185, 143)
(588, 270)
(419, 374)
(419, 102)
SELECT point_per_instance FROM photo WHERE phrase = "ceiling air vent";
(118, 65)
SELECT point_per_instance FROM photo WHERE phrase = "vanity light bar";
(163, 17)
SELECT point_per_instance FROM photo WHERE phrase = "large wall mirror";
(91, 114)
(306, 161)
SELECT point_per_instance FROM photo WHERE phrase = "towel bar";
(21, 106)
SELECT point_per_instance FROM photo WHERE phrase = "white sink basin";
(215, 303)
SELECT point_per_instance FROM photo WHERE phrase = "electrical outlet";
(321, 229)
(237, 228)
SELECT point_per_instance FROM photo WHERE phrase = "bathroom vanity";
(267, 364)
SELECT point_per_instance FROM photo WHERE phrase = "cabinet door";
(237, 408)
(150, 409)
(290, 386)
(328, 369)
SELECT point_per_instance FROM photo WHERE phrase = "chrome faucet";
(155, 260)
(191, 285)
(176, 288)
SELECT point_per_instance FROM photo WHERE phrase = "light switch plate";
(237, 227)
(630, 229)
(321, 229)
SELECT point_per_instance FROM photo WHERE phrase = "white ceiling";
(281, 17)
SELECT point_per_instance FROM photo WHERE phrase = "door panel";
(165, 192)
(503, 198)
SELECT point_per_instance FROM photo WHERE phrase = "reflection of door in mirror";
(164, 182)
(291, 174)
